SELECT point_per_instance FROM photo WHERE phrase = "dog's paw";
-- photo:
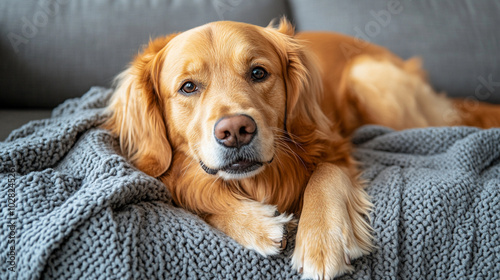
(266, 230)
(324, 248)
(256, 226)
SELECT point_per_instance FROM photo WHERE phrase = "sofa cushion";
(458, 40)
(52, 50)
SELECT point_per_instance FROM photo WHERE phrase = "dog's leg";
(332, 227)
(255, 225)
(392, 95)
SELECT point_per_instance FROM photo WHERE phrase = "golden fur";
(312, 100)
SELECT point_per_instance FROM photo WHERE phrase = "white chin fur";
(229, 176)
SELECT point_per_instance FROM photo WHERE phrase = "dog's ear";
(283, 26)
(137, 115)
(302, 77)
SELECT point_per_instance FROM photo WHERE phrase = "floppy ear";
(137, 111)
(302, 78)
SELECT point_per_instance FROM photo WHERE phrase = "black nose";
(235, 131)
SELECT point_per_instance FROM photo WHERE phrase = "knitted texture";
(81, 211)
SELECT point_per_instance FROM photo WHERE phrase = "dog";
(248, 127)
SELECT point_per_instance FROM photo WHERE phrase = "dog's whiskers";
(283, 147)
(280, 163)
(288, 139)
(284, 133)
(213, 182)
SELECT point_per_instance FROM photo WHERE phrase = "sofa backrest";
(51, 50)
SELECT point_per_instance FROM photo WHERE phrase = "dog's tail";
(476, 113)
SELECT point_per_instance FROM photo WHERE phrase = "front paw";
(256, 226)
(267, 233)
(324, 248)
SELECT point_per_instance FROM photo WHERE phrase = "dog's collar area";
(237, 167)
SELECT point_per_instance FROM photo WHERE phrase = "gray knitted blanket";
(73, 208)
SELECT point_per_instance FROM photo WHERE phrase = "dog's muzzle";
(237, 151)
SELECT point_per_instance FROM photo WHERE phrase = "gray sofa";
(53, 50)
(75, 209)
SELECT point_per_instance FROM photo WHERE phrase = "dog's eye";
(188, 88)
(259, 74)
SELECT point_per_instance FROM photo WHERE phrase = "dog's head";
(224, 94)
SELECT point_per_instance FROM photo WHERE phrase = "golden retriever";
(248, 127)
